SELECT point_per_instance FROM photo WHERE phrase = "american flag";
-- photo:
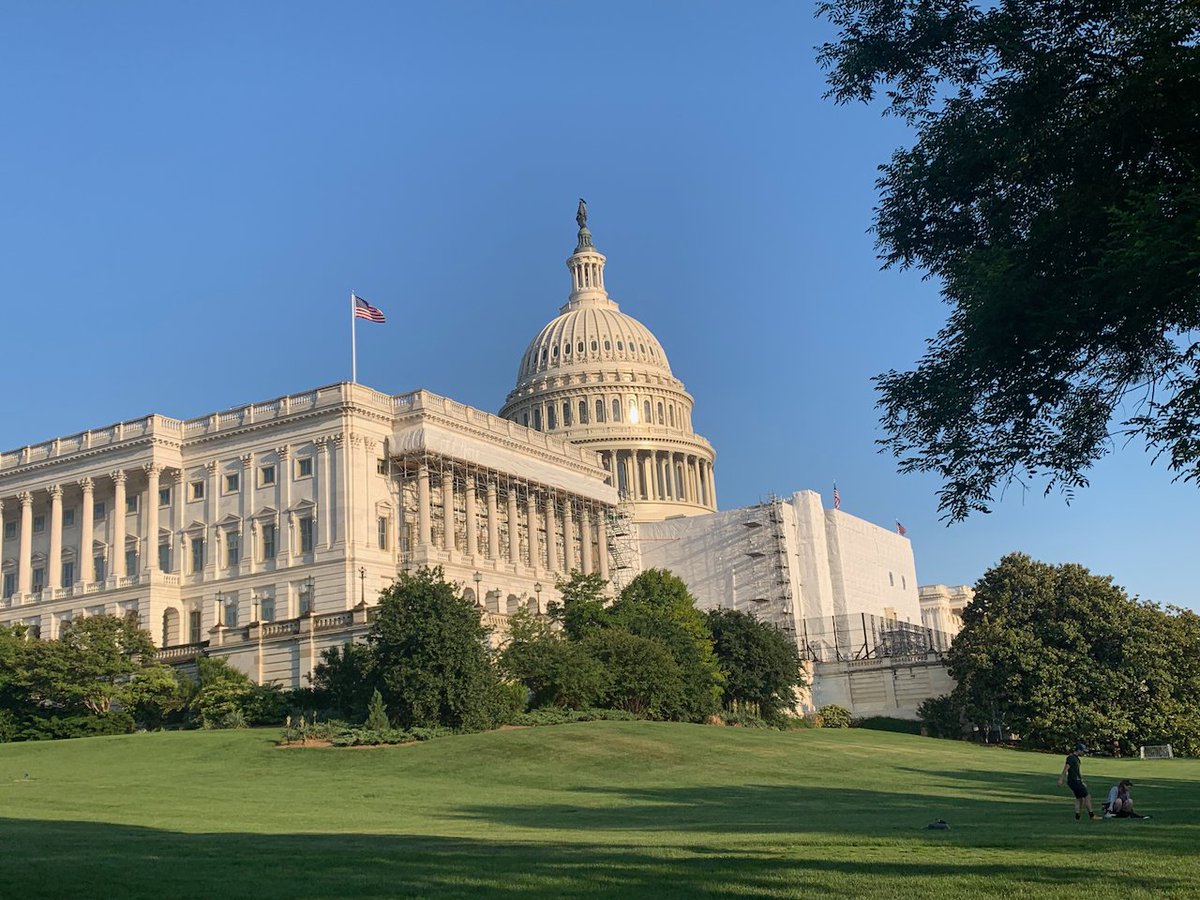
(837, 498)
(364, 310)
(900, 529)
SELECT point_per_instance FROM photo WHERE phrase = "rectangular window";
(68, 517)
(268, 542)
(232, 482)
(10, 530)
(98, 568)
(304, 467)
(164, 496)
(266, 609)
(164, 557)
(194, 626)
(196, 490)
(131, 562)
(197, 554)
(131, 503)
(99, 511)
(381, 466)
(266, 475)
(39, 524)
(39, 579)
(10, 584)
(306, 534)
(383, 533)
(231, 614)
(233, 544)
(306, 599)
(68, 574)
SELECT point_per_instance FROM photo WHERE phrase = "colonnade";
(661, 475)
(520, 524)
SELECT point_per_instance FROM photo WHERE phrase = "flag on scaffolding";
(900, 529)
(837, 498)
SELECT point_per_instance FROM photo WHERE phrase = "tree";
(1053, 189)
(429, 653)
(377, 716)
(344, 679)
(555, 670)
(582, 605)
(760, 662)
(1057, 655)
(640, 674)
(658, 605)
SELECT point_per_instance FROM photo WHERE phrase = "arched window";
(525, 419)
(554, 352)
(661, 420)
(567, 349)
(579, 346)
(607, 344)
(599, 410)
(671, 415)
(649, 419)
(642, 347)
(583, 418)
(551, 418)
(616, 409)
(566, 414)
(537, 420)
(620, 345)
(595, 346)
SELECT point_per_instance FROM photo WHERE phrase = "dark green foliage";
(582, 606)
(940, 717)
(99, 677)
(658, 606)
(343, 681)
(429, 655)
(377, 717)
(887, 723)
(640, 675)
(368, 737)
(834, 716)
(556, 671)
(760, 662)
(552, 715)
(1053, 191)
(1058, 655)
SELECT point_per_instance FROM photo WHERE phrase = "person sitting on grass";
(1120, 804)
(1072, 775)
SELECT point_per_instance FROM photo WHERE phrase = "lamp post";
(254, 605)
(220, 606)
(478, 576)
(362, 585)
(537, 589)
(308, 593)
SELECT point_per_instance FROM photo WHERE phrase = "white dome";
(598, 377)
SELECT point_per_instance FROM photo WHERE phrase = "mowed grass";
(618, 809)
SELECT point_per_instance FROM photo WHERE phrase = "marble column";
(514, 529)
(585, 540)
(25, 551)
(551, 528)
(493, 522)
(87, 514)
(531, 524)
(602, 545)
(116, 550)
(423, 509)
(472, 518)
(54, 563)
(570, 561)
(450, 541)
(150, 564)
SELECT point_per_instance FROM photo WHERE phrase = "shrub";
(834, 716)
(744, 720)
(377, 717)
(941, 717)
(888, 723)
(549, 715)
(640, 674)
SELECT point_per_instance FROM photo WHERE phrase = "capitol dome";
(598, 377)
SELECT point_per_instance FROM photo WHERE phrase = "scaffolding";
(622, 555)
(764, 565)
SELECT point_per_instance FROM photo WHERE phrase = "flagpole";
(353, 343)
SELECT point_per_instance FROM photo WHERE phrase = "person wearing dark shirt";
(1072, 775)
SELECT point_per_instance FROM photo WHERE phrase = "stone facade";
(253, 532)
(942, 607)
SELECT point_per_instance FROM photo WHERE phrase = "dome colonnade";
(599, 378)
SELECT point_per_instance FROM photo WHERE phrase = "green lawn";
(606, 808)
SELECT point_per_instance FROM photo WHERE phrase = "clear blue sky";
(189, 191)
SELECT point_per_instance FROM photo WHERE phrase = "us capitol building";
(265, 533)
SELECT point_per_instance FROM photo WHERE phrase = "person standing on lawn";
(1074, 779)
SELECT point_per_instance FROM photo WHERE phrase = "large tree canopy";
(1054, 190)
